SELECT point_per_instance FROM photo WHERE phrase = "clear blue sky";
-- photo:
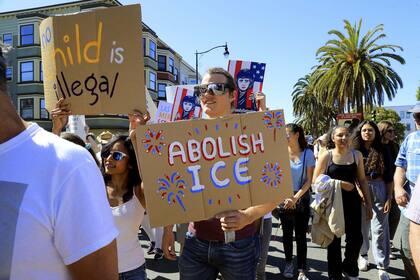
(283, 34)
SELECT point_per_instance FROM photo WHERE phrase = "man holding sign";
(228, 243)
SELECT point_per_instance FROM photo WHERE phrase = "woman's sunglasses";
(212, 88)
(116, 155)
(390, 130)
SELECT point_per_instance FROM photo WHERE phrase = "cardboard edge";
(48, 21)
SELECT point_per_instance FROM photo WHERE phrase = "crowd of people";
(68, 214)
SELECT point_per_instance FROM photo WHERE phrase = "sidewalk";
(317, 262)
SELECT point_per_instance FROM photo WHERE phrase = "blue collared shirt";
(409, 159)
(409, 156)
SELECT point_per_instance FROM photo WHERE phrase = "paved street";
(317, 261)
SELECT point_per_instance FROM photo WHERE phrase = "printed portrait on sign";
(248, 78)
(186, 105)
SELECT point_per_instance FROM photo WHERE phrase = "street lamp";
(226, 54)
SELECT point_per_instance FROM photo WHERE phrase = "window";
(8, 39)
(27, 71)
(171, 65)
(41, 73)
(27, 34)
(161, 63)
(152, 81)
(43, 113)
(9, 73)
(27, 108)
(144, 46)
(161, 91)
(402, 115)
(407, 115)
(408, 127)
(176, 74)
(152, 49)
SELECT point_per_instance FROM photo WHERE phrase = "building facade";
(405, 116)
(20, 30)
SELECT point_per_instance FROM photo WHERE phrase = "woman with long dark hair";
(391, 148)
(296, 215)
(123, 187)
(345, 164)
(367, 139)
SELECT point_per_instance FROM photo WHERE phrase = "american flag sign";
(186, 104)
(249, 77)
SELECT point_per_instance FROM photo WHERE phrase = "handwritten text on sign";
(204, 167)
(90, 62)
(92, 85)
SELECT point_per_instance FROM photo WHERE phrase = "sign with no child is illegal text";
(94, 61)
(199, 168)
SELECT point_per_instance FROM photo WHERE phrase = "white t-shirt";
(53, 206)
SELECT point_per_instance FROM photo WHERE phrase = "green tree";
(355, 71)
(382, 114)
(418, 94)
(312, 114)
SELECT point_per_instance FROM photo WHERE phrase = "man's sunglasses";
(116, 155)
(212, 88)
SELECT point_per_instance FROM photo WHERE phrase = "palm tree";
(312, 114)
(356, 71)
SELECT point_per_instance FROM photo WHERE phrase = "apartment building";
(20, 30)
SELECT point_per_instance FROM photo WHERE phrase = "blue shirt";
(409, 159)
(297, 169)
(409, 156)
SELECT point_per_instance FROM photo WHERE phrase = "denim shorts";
(135, 274)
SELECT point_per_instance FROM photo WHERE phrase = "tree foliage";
(382, 114)
(418, 94)
(312, 114)
(355, 71)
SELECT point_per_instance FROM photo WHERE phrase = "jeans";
(378, 226)
(407, 258)
(299, 223)
(203, 259)
(265, 244)
(135, 274)
(352, 222)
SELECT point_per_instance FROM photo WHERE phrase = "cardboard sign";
(348, 119)
(94, 61)
(249, 77)
(77, 125)
(163, 114)
(186, 104)
(151, 107)
(171, 91)
(199, 168)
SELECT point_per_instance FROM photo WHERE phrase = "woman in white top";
(123, 185)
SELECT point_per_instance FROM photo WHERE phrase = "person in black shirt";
(391, 148)
(368, 141)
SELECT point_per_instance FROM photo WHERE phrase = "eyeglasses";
(390, 130)
(212, 88)
(116, 155)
